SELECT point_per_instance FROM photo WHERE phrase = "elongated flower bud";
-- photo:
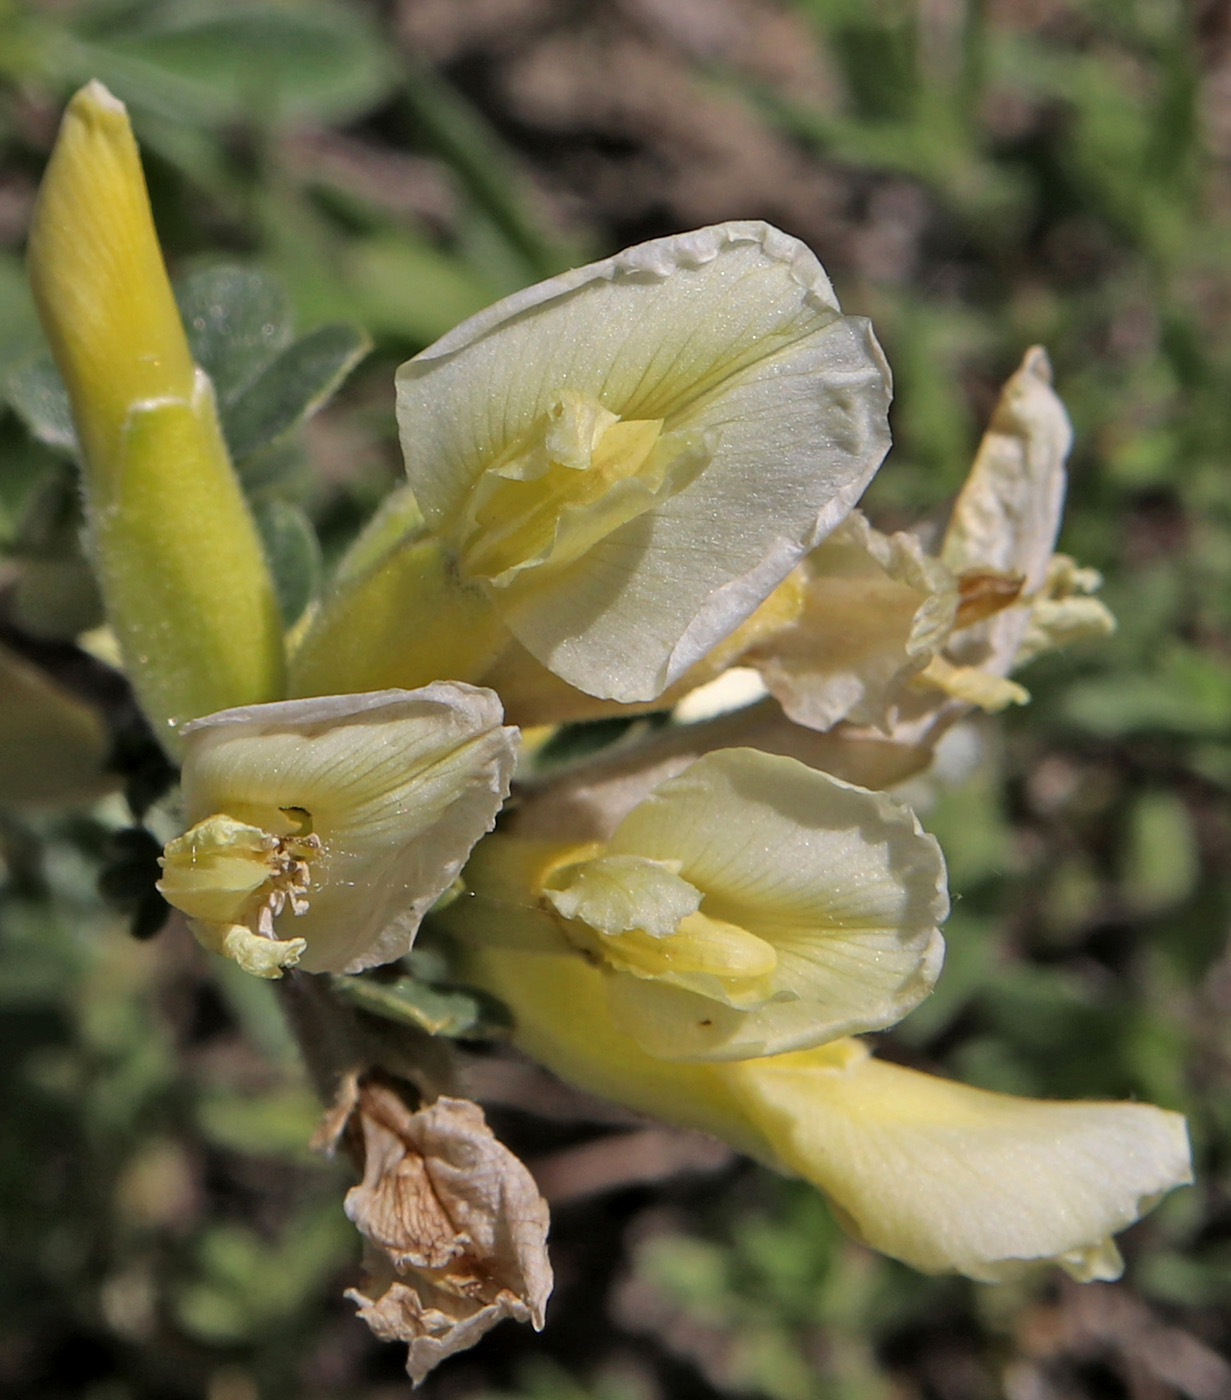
(185, 583)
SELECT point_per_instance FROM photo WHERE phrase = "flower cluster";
(632, 487)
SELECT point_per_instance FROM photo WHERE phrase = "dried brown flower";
(455, 1229)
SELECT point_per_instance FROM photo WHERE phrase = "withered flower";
(454, 1227)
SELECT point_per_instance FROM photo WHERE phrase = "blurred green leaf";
(19, 332)
(276, 1124)
(244, 1282)
(1188, 694)
(37, 395)
(55, 595)
(213, 61)
(1160, 864)
(291, 387)
(455, 1012)
(406, 287)
(478, 154)
(238, 321)
(294, 555)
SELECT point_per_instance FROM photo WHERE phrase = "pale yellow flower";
(628, 458)
(749, 906)
(321, 831)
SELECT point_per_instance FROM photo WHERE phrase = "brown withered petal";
(455, 1227)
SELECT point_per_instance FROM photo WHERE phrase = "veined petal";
(730, 340)
(372, 803)
(842, 885)
(945, 1177)
(562, 1018)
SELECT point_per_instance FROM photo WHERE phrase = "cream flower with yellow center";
(322, 830)
(628, 458)
(749, 906)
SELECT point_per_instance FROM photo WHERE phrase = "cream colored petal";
(876, 610)
(398, 786)
(1008, 513)
(949, 1178)
(1059, 622)
(706, 1017)
(944, 1177)
(562, 1018)
(842, 883)
(1063, 612)
(972, 685)
(730, 334)
(261, 957)
(616, 894)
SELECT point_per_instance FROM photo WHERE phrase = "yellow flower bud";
(180, 565)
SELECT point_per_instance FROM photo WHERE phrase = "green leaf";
(238, 321)
(277, 1124)
(207, 61)
(55, 595)
(458, 1013)
(1189, 694)
(18, 322)
(37, 395)
(292, 387)
(1160, 861)
(294, 555)
(482, 161)
(408, 288)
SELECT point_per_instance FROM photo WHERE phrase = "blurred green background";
(977, 176)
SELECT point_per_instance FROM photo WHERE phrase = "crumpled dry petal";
(875, 610)
(455, 1228)
(1008, 513)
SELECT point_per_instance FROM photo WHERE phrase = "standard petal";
(949, 1178)
(397, 786)
(730, 337)
(841, 882)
